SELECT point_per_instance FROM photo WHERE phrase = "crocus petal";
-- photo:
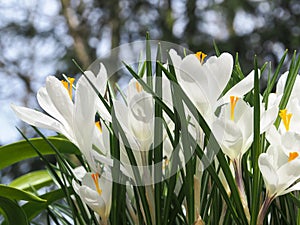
(46, 103)
(38, 119)
(268, 173)
(60, 98)
(290, 142)
(141, 115)
(93, 200)
(102, 110)
(99, 80)
(288, 174)
(176, 61)
(281, 83)
(239, 89)
(79, 172)
(267, 118)
(84, 116)
(194, 77)
(121, 112)
(295, 187)
(220, 69)
(273, 136)
(229, 137)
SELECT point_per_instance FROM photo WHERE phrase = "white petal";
(193, 78)
(176, 60)
(281, 83)
(295, 187)
(267, 118)
(93, 200)
(103, 112)
(229, 137)
(239, 89)
(46, 103)
(75, 186)
(268, 172)
(38, 119)
(84, 116)
(219, 71)
(273, 136)
(60, 98)
(79, 172)
(288, 174)
(99, 80)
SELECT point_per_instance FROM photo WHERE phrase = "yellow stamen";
(69, 85)
(286, 118)
(95, 177)
(165, 163)
(99, 126)
(201, 56)
(292, 156)
(138, 87)
(233, 101)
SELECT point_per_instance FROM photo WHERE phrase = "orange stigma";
(233, 101)
(95, 177)
(201, 56)
(292, 156)
(286, 118)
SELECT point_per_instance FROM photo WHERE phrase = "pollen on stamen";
(292, 156)
(138, 87)
(233, 101)
(286, 118)
(69, 85)
(201, 56)
(95, 177)
(99, 126)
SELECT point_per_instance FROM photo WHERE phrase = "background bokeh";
(40, 38)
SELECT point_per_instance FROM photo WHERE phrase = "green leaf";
(18, 151)
(12, 212)
(16, 194)
(36, 179)
(158, 137)
(32, 209)
(256, 148)
(272, 82)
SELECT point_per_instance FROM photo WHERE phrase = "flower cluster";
(144, 122)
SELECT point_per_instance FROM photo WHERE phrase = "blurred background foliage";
(40, 38)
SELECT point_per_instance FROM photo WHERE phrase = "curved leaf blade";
(36, 179)
(16, 194)
(32, 209)
(18, 151)
(12, 212)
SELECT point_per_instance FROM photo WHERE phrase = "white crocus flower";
(204, 82)
(233, 129)
(96, 191)
(76, 121)
(280, 172)
(136, 116)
